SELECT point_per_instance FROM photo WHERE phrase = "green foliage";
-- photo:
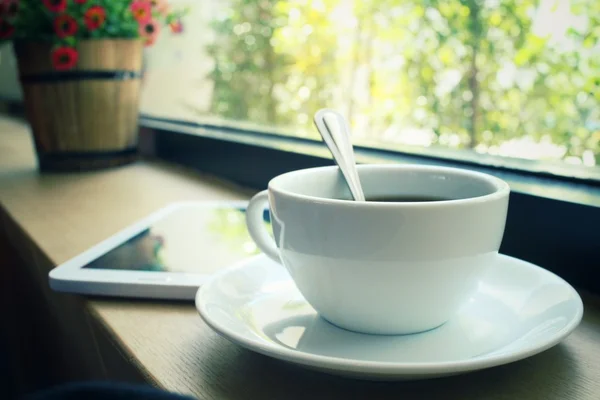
(476, 74)
(246, 63)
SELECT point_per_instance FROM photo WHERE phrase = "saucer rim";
(387, 367)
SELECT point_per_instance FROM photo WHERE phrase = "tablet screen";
(191, 239)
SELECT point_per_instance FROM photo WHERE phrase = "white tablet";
(167, 255)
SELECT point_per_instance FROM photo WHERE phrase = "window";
(514, 78)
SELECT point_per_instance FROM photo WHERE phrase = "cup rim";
(502, 188)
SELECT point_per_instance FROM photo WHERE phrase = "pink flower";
(162, 6)
(142, 11)
(176, 26)
(94, 17)
(55, 6)
(149, 31)
(65, 26)
(64, 58)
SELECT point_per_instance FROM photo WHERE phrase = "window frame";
(552, 221)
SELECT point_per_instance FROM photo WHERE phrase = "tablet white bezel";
(71, 277)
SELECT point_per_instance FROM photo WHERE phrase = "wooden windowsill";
(51, 218)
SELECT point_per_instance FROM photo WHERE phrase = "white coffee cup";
(383, 267)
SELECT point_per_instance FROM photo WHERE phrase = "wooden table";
(51, 218)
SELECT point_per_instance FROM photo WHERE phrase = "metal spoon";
(336, 134)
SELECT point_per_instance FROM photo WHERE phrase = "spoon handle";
(333, 130)
(350, 154)
(335, 125)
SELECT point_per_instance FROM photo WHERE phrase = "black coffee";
(407, 199)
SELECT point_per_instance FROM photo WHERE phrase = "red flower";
(149, 31)
(65, 26)
(6, 29)
(55, 5)
(142, 11)
(176, 26)
(94, 17)
(9, 8)
(64, 58)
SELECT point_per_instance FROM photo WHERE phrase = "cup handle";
(256, 226)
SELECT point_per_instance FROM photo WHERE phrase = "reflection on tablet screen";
(194, 239)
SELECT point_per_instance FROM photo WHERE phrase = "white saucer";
(519, 310)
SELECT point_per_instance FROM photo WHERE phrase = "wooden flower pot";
(87, 117)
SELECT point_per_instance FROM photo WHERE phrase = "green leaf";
(589, 42)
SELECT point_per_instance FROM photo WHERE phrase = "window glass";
(515, 78)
